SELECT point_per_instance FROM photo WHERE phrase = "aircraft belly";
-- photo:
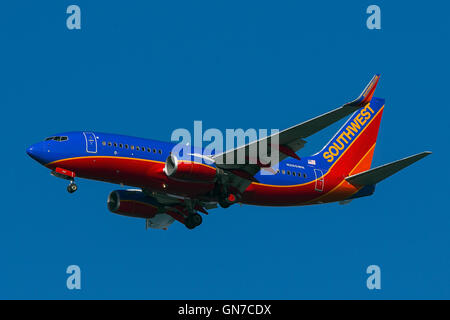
(267, 195)
(335, 189)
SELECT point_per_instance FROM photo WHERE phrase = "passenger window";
(149, 150)
(115, 144)
(126, 146)
(289, 173)
(283, 172)
(103, 143)
(109, 144)
(132, 147)
(64, 138)
(293, 173)
(160, 151)
(304, 175)
(154, 150)
(143, 148)
(120, 145)
(137, 148)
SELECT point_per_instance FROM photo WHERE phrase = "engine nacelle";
(132, 203)
(186, 170)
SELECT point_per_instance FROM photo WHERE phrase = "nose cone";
(36, 151)
(30, 151)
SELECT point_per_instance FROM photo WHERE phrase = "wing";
(287, 142)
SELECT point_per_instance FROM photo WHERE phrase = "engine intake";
(191, 171)
(132, 203)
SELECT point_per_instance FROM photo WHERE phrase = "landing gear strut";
(67, 175)
(193, 220)
(72, 187)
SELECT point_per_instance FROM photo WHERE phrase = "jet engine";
(132, 203)
(186, 170)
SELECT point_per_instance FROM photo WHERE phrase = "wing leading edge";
(291, 140)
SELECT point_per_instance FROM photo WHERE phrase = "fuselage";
(139, 162)
(176, 183)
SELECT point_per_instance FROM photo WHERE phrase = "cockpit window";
(57, 138)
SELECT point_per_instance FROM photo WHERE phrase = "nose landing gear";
(67, 175)
(72, 187)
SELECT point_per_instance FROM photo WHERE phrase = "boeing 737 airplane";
(169, 189)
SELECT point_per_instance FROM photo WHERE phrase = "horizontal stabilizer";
(375, 175)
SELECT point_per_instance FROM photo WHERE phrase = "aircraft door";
(91, 142)
(319, 180)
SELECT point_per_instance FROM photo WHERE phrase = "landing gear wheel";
(224, 204)
(71, 188)
(193, 220)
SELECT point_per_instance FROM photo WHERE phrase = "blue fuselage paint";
(80, 144)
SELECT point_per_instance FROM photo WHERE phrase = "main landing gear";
(193, 220)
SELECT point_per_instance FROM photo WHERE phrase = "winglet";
(368, 92)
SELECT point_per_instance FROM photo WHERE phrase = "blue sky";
(147, 68)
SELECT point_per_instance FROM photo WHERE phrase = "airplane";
(167, 188)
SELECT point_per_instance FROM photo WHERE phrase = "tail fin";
(351, 149)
